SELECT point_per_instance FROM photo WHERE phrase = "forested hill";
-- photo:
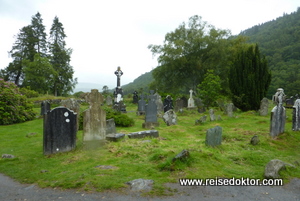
(279, 41)
(139, 84)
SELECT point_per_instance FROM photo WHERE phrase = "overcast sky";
(108, 34)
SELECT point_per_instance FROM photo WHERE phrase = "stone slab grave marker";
(135, 97)
(278, 115)
(229, 109)
(168, 103)
(191, 102)
(159, 103)
(296, 116)
(178, 105)
(94, 118)
(264, 105)
(143, 134)
(214, 136)
(141, 105)
(151, 112)
(212, 115)
(60, 128)
(109, 100)
(45, 107)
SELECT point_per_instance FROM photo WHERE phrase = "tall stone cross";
(118, 73)
(191, 93)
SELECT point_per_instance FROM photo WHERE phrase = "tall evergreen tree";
(60, 60)
(40, 36)
(249, 78)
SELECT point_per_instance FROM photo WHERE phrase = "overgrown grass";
(137, 158)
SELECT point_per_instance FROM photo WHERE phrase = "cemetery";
(159, 148)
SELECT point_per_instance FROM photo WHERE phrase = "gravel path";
(12, 190)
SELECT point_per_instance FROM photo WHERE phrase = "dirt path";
(11, 190)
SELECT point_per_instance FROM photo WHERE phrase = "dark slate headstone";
(45, 107)
(214, 136)
(141, 105)
(296, 116)
(60, 128)
(135, 97)
(142, 134)
(168, 103)
(73, 105)
(151, 109)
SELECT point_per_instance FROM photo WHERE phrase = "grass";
(135, 158)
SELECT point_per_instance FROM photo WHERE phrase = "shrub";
(28, 92)
(14, 107)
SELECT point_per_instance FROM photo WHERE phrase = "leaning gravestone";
(214, 136)
(151, 113)
(45, 107)
(60, 128)
(296, 116)
(94, 118)
(264, 105)
(170, 118)
(278, 116)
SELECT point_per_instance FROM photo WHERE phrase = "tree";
(39, 74)
(39, 34)
(60, 58)
(187, 53)
(249, 78)
(210, 88)
(105, 89)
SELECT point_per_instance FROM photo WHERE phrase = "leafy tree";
(39, 74)
(249, 78)
(187, 53)
(210, 88)
(60, 60)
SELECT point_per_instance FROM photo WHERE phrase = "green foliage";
(28, 92)
(249, 78)
(79, 94)
(140, 84)
(121, 119)
(210, 88)
(14, 107)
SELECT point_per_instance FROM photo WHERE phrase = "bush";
(28, 92)
(14, 107)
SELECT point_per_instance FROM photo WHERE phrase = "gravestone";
(141, 106)
(60, 128)
(278, 115)
(143, 134)
(73, 105)
(212, 115)
(201, 120)
(214, 136)
(229, 109)
(45, 107)
(135, 97)
(110, 126)
(264, 105)
(109, 100)
(94, 118)
(191, 102)
(296, 116)
(178, 104)
(159, 103)
(168, 103)
(170, 118)
(151, 112)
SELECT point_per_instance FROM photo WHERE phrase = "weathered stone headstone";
(178, 104)
(159, 103)
(45, 107)
(110, 126)
(214, 136)
(191, 102)
(168, 103)
(135, 97)
(264, 105)
(94, 118)
(296, 116)
(143, 185)
(151, 112)
(73, 105)
(109, 100)
(254, 140)
(170, 117)
(229, 109)
(115, 137)
(141, 106)
(278, 115)
(273, 168)
(212, 115)
(60, 128)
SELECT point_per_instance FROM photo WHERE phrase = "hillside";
(279, 41)
(139, 84)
